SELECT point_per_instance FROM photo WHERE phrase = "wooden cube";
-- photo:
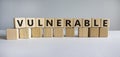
(25, 33)
(105, 22)
(49, 22)
(48, 32)
(103, 32)
(95, 22)
(83, 32)
(12, 34)
(19, 23)
(69, 22)
(39, 22)
(86, 23)
(30, 22)
(36, 32)
(58, 22)
(69, 32)
(58, 32)
(78, 22)
(94, 32)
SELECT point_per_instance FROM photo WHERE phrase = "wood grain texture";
(12, 34)
(103, 32)
(69, 32)
(25, 33)
(36, 32)
(48, 32)
(83, 32)
(94, 32)
(58, 32)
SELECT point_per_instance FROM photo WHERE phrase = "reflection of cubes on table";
(25, 33)
(36, 32)
(12, 34)
(58, 32)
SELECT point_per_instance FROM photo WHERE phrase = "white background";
(63, 47)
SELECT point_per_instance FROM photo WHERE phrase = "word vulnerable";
(60, 22)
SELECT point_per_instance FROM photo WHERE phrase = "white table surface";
(62, 47)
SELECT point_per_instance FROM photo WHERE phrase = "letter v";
(20, 23)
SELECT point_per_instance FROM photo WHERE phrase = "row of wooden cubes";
(37, 32)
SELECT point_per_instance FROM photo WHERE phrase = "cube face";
(95, 22)
(69, 22)
(12, 34)
(58, 22)
(36, 32)
(94, 32)
(69, 32)
(25, 33)
(49, 22)
(48, 32)
(83, 32)
(86, 22)
(105, 22)
(58, 32)
(39, 22)
(78, 22)
(19, 23)
(104, 32)
(30, 22)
